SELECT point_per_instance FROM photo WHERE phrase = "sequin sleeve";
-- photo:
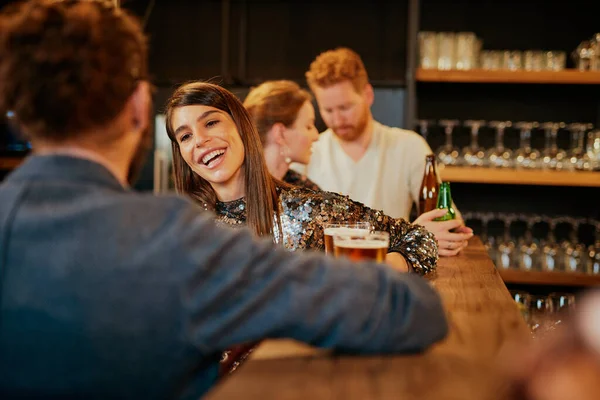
(414, 242)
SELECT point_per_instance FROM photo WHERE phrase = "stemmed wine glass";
(528, 249)
(574, 252)
(579, 159)
(474, 155)
(552, 156)
(424, 125)
(550, 259)
(448, 154)
(525, 156)
(500, 156)
(506, 247)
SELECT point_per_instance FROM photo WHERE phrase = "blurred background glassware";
(505, 254)
(466, 51)
(583, 56)
(595, 58)
(490, 60)
(562, 302)
(473, 155)
(552, 156)
(593, 150)
(446, 45)
(523, 300)
(578, 156)
(550, 258)
(533, 60)
(529, 251)
(448, 154)
(512, 60)
(428, 50)
(526, 156)
(500, 156)
(541, 317)
(574, 253)
(423, 127)
(554, 60)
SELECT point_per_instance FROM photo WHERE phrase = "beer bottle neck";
(444, 198)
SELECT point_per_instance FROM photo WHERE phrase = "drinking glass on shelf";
(528, 249)
(575, 253)
(500, 156)
(505, 253)
(550, 257)
(541, 318)
(474, 155)
(448, 154)
(578, 157)
(594, 259)
(424, 125)
(533, 60)
(555, 60)
(583, 55)
(428, 50)
(525, 156)
(512, 60)
(552, 156)
(593, 150)
(491, 60)
(446, 42)
(466, 49)
(523, 301)
(563, 304)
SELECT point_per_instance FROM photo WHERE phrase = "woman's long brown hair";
(261, 196)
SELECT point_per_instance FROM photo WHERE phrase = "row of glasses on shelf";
(543, 251)
(543, 313)
(583, 154)
(529, 60)
(462, 51)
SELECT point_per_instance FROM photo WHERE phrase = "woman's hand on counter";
(452, 236)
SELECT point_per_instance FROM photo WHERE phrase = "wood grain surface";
(484, 327)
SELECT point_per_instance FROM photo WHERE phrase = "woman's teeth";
(210, 156)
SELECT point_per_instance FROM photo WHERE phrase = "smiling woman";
(219, 162)
(203, 120)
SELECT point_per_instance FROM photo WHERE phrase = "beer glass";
(354, 229)
(372, 246)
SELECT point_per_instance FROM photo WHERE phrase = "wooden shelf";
(568, 76)
(8, 163)
(520, 177)
(549, 278)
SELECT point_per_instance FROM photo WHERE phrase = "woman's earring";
(286, 158)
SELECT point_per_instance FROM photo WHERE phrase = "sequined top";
(296, 179)
(304, 212)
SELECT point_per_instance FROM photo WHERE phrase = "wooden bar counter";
(484, 322)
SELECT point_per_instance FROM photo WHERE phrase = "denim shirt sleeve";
(238, 289)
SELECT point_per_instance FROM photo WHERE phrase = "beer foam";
(344, 230)
(361, 244)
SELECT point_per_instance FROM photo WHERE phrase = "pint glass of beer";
(356, 229)
(372, 246)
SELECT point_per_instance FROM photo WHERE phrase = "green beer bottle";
(444, 200)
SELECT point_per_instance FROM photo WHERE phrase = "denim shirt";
(108, 293)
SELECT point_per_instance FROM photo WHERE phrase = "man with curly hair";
(106, 293)
(375, 164)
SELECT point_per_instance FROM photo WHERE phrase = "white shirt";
(388, 176)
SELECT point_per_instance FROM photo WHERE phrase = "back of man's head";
(68, 66)
(335, 66)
